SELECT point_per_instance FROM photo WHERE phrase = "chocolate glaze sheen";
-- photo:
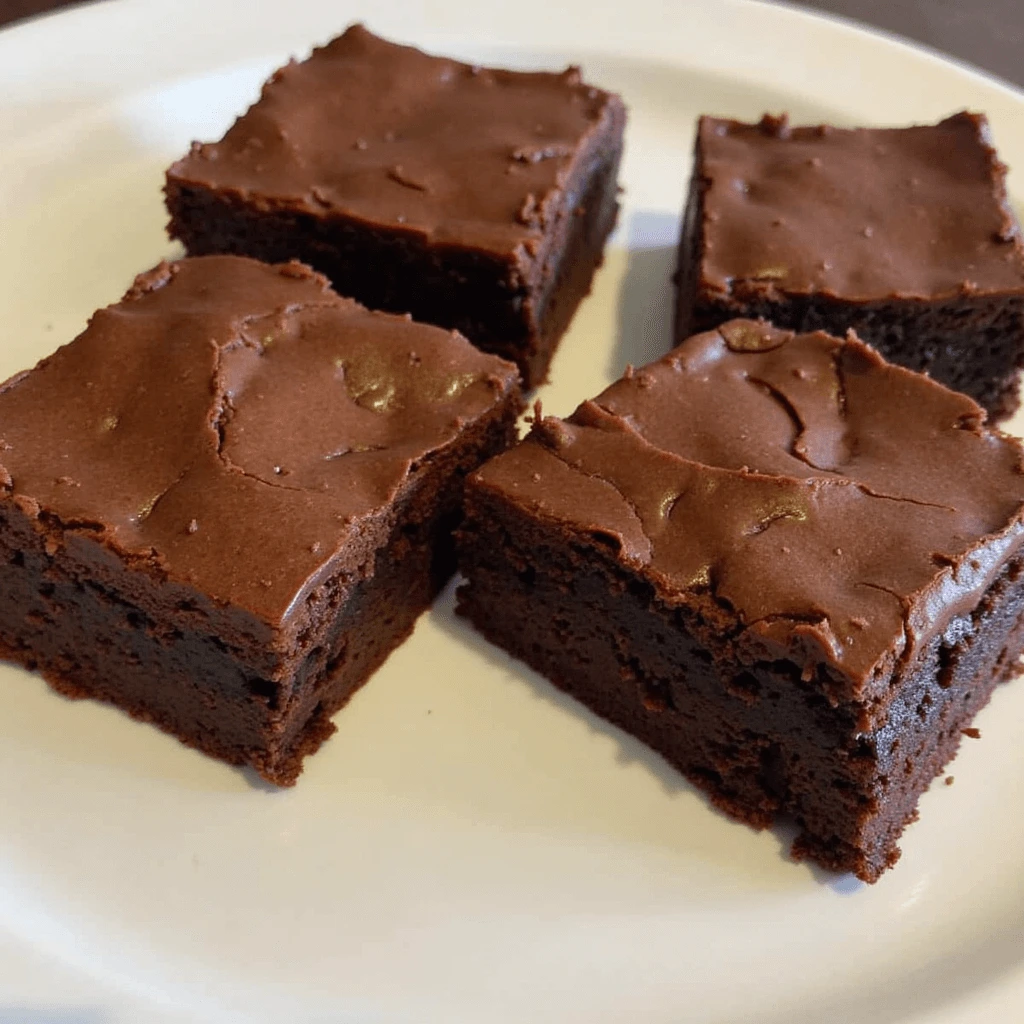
(392, 136)
(864, 213)
(810, 497)
(289, 430)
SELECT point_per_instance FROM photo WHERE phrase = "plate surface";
(471, 846)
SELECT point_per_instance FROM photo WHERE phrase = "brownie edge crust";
(227, 501)
(474, 198)
(793, 569)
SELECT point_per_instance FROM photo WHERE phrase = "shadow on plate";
(647, 296)
(69, 735)
(629, 751)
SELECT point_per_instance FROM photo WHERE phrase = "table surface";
(986, 33)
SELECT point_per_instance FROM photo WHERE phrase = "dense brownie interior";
(474, 198)
(245, 500)
(904, 235)
(739, 555)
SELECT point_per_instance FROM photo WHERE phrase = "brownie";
(226, 502)
(902, 234)
(792, 568)
(473, 198)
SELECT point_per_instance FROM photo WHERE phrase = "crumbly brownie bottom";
(89, 639)
(471, 292)
(762, 743)
(193, 710)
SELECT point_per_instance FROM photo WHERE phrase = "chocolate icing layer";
(861, 214)
(811, 499)
(249, 431)
(395, 137)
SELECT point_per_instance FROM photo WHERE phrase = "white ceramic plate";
(471, 846)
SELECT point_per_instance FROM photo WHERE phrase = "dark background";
(986, 33)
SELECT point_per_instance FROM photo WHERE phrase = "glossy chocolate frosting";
(805, 496)
(238, 427)
(395, 137)
(860, 214)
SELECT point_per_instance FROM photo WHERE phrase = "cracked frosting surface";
(860, 214)
(238, 426)
(827, 503)
(392, 136)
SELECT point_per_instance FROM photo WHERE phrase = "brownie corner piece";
(229, 499)
(478, 199)
(792, 568)
(904, 235)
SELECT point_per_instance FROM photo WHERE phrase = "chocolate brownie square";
(226, 502)
(902, 234)
(794, 569)
(473, 198)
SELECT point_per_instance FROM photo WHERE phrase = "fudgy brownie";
(472, 198)
(226, 502)
(792, 568)
(902, 234)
